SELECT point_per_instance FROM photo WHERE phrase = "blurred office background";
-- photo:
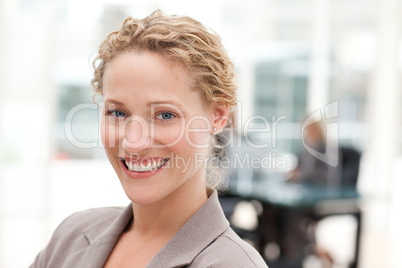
(292, 58)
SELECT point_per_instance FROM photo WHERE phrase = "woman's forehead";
(149, 77)
(146, 67)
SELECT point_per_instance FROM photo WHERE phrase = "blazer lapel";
(201, 230)
(101, 240)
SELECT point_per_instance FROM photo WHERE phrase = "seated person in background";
(350, 161)
(313, 170)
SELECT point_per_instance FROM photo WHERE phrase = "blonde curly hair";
(176, 38)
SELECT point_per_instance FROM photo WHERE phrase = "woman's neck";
(167, 216)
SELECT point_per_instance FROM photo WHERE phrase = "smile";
(145, 164)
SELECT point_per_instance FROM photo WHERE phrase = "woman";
(167, 85)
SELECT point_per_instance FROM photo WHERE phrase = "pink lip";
(141, 159)
(140, 175)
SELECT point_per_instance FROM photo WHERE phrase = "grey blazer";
(86, 239)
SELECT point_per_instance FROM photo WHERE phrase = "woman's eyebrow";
(171, 103)
(149, 104)
(113, 101)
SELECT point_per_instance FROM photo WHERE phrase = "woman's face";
(155, 128)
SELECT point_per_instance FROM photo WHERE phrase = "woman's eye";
(165, 116)
(117, 113)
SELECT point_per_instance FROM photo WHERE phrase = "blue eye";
(165, 116)
(117, 113)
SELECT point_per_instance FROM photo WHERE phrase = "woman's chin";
(144, 194)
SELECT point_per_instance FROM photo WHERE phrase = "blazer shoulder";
(90, 216)
(82, 220)
(229, 250)
(69, 235)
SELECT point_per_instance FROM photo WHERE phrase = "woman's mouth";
(145, 164)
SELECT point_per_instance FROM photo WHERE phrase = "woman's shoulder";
(229, 250)
(98, 214)
(76, 225)
(80, 221)
(74, 232)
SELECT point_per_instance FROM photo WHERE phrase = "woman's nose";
(136, 135)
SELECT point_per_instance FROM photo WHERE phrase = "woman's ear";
(220, 116)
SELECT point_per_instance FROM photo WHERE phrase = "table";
(283, 199)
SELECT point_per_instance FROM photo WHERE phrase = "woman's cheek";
(169, 136)
(198, 134)
(103, 131)
(109, 134)
(198, 139)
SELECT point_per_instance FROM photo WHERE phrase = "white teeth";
(151, 165)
